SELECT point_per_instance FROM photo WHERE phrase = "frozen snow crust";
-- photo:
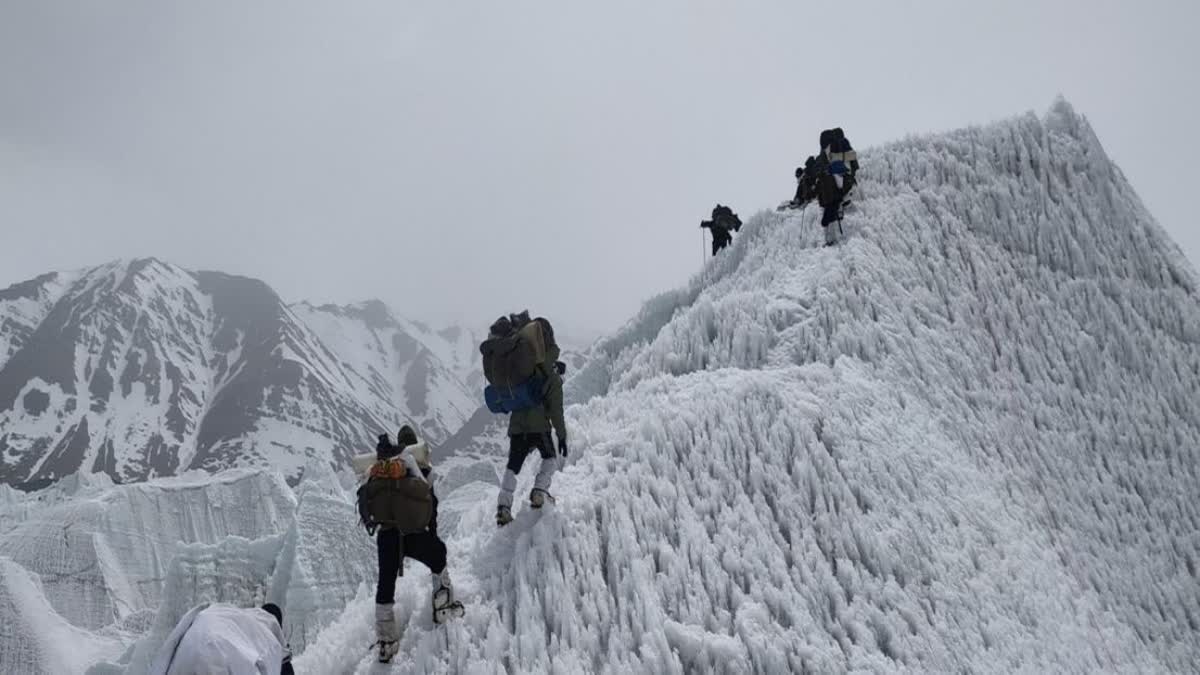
(964, 440)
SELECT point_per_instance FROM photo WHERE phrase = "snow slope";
(964, 440)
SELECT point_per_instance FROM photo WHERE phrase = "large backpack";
(509, 359)
(392, 498)
(510, 365)
(842, 157)
(726, 218)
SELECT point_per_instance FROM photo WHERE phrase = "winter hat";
(406, 437)
(273, 609)
(384, 449)
(519, 319)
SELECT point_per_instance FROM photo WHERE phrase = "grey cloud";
(458, 161)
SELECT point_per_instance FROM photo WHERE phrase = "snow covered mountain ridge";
(140, 368)
(966, 439)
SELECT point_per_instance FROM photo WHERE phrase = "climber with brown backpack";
(397, 501)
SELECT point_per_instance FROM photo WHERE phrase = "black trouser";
(424, 547)
(719, 244)
(832, 214)
(521, 445)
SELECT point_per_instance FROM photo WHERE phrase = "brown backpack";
(391, 498)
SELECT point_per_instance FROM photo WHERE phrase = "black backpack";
(724, 217)
(824, 186)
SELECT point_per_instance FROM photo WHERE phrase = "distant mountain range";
(141, 368)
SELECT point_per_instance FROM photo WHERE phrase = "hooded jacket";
(218, 638)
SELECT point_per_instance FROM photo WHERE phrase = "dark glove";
(560, 367)
(562, 447)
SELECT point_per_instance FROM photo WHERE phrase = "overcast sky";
(459, 161)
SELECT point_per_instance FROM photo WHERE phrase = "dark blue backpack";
(514, 398)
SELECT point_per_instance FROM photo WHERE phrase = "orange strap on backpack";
(391, 469)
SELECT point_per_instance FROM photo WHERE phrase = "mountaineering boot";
(503, 516)
(538, 497)
(387, 632)
(445, 607)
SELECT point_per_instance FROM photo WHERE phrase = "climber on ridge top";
(723, 220)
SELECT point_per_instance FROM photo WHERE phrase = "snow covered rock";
(139, 369)
(405, 370)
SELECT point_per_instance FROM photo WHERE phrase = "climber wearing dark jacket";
(723, 220)
(529, 429)
(835, 167)
(720, 235)
(806, 183)
(843, 161)
(385, 499)
(726, 217)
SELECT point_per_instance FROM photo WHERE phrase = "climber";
(398, 501)
(218, 637)
(725, 215)
(843, 161)
(806, 184)
(520, 362)
(835, 171)
(720, 235)
(723, 220)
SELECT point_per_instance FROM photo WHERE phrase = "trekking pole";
(702, 258)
